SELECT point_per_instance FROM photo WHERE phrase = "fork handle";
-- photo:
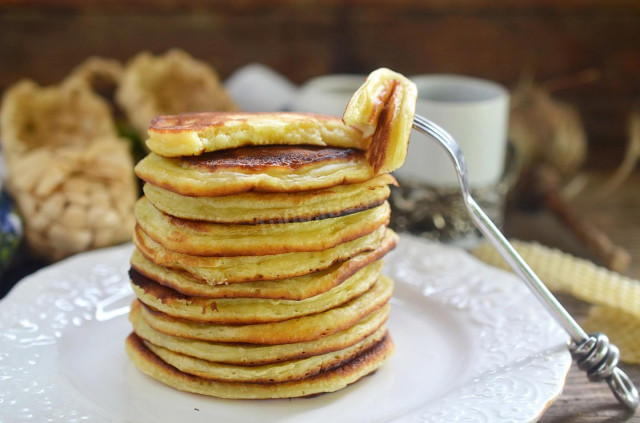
(592, 353)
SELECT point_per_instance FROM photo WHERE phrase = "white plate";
(471, 345)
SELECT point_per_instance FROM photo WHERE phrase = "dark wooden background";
(494, 39)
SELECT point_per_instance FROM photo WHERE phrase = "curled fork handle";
(597, 355)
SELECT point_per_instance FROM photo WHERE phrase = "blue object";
(11, 231)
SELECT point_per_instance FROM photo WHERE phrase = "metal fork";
(592, 352)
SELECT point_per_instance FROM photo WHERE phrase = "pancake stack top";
(257, 262)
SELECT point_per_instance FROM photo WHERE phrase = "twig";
(544, 184)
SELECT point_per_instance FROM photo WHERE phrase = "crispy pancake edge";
(300, 329)
(328, 381)
(252, 354)
(192, 286)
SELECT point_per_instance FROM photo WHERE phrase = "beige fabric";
(622, 328)
(71, 176)
(173, 82)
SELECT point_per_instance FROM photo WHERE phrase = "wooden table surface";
(618, 215)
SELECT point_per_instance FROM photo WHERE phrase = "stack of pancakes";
(257, 262)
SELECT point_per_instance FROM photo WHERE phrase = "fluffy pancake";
(274, 168)
(260, 207)
(297, 288)
(384, 107)
(196, 133)
(255, 354)
(249, 310)
(326, 381)
(300, 329)
(223, 270)
(275, 372)
(199, 238)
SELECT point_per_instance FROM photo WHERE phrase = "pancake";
(384, 108)
(255, 354)
(266, 373)
(265, 169)
(326, 381)
(249, 310)
(297, 288)
(196, 133)
(199, 238)
(259, 207)
(224, 270)
(300, 329)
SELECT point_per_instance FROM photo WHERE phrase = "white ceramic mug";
(327, 95)
(257, 88)
(475, 112)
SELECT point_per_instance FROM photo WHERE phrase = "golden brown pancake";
(260, 207)
(266, 169)
(265, 373)
(300, 329)
(298, 288)
(256, 354)
(196, 133)
(249, 310)
(224, 270)
(384, 108)
(199, 238)
(326, 381)
(270, 158)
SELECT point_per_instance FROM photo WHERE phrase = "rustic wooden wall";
(497, 39)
